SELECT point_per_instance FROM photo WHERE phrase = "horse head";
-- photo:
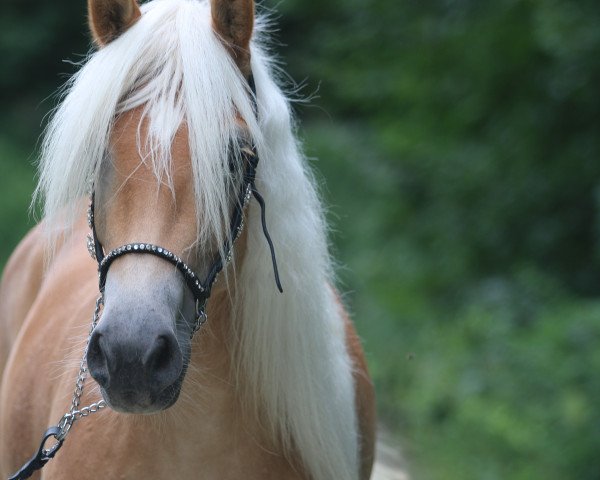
(163, 182)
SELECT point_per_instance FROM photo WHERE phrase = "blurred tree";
(487, 114)
(34, 38)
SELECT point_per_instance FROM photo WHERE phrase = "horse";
(176, 129)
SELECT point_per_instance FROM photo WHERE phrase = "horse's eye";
(231, 159)
(236, 152)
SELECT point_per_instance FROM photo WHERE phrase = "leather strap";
(41, 457)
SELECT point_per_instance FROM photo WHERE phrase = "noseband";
(200, 289)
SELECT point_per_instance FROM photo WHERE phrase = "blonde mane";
(290, 347)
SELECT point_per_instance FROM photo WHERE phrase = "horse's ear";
(110, 18)
(233, 20)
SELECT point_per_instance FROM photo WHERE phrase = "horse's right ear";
(110, 18)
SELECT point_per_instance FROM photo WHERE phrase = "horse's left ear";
(110, 18)
(233, 20)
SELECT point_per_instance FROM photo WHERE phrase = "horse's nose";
(146, 362)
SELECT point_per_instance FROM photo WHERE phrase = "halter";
(200, 289)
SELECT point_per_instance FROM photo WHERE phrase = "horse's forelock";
(173, 64)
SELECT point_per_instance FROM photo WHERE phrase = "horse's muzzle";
(137, 373)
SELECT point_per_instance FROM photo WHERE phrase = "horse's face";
(140, 350)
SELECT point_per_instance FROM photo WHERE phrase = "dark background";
(458, 146)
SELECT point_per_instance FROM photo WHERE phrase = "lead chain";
(75, 413)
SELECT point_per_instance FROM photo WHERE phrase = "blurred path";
(389, 464)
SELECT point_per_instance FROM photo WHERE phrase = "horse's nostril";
(94, 349)
(159, 354)
(96, 360)
(163, 360)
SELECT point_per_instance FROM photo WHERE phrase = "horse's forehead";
(129, 144)
(137, 202)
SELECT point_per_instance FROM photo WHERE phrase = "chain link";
(75, 413)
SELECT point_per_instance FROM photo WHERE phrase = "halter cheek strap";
(200, 289)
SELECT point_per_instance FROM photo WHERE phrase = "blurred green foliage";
(458, 142)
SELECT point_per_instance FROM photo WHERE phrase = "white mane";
(292, 345)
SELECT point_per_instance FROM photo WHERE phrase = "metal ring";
(201, 317)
